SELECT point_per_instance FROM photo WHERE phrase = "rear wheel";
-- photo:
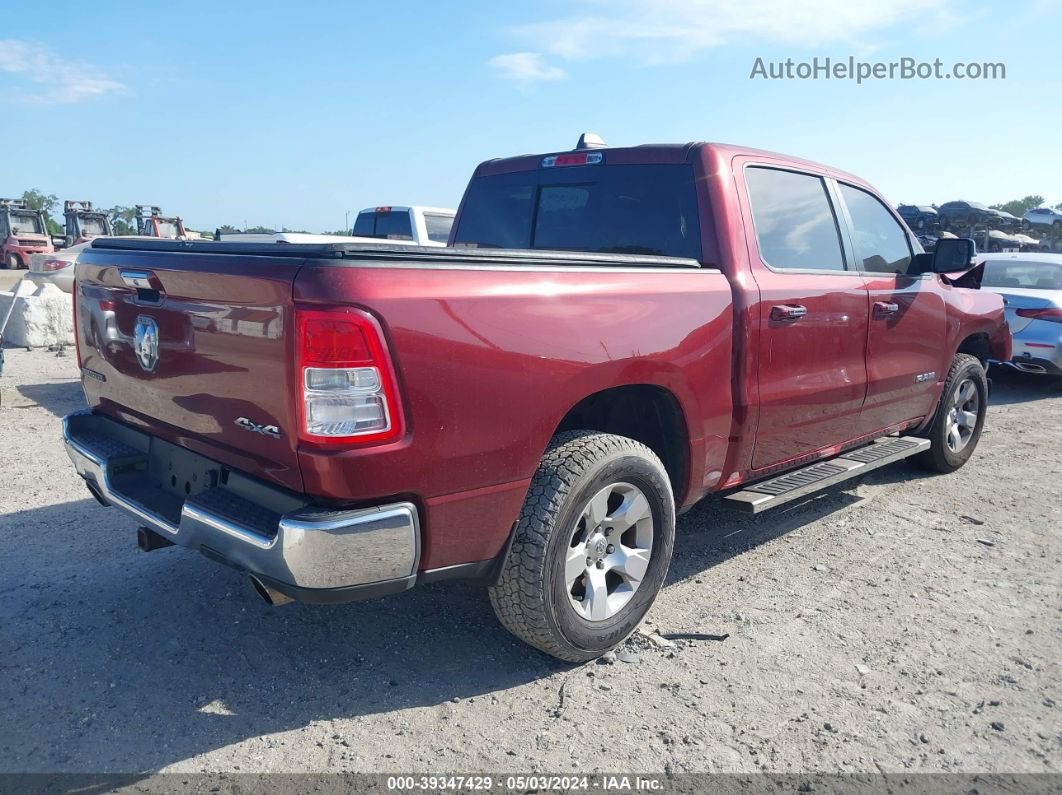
(959, 418)
(592, 546)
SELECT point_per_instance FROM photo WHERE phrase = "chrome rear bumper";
(304, 551)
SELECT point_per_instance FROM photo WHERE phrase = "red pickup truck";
(612, 334)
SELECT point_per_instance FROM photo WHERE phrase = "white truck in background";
(413, 226)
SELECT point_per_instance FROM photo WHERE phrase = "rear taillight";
(347, 387)
(1052, 315)
(54, 265)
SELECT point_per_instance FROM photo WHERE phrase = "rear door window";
(795, 224)
(628, 209)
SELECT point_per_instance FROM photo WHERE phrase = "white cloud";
(526, 67)
(662, 31)
(57, 80)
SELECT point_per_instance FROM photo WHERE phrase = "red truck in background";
(612, 334)
(22, 232)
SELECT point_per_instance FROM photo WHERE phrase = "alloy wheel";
(608, 551)
(962, 416)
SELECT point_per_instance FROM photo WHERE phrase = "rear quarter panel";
(490, 360)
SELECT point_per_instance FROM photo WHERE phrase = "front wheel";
(592, 546)
(959, 418)
(12, 262)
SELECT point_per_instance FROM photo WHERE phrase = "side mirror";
(953, 255)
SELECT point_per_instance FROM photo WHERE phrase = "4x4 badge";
(272, 431)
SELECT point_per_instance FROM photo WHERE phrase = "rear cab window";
(646, 210)
(383, 223)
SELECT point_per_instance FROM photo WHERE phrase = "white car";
(57, 267)
(395, 225)
(1043, 218)
(1031, 286)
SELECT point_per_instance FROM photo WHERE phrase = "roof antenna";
(589, 140)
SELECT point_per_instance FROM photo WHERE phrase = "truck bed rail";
(382, 252)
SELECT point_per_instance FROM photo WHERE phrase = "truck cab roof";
(645, 154)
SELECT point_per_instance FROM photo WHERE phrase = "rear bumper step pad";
(814, 477)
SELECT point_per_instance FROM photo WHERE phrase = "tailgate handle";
(139, 279)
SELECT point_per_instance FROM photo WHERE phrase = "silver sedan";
(1031, 286)
(56, 268)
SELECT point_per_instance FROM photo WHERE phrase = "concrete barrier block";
(42, 316)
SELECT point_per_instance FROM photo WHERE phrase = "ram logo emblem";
(146, 342)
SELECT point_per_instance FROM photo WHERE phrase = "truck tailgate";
(196, 349)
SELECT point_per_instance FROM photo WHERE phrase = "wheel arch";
(648, 413)
(978, 344)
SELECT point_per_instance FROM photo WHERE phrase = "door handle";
(882, 308)
(788, 312)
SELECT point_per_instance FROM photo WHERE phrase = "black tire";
(941, 457)
(12, 262)
(531, 598)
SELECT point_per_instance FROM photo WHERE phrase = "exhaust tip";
(269, 595)
(1030, 368)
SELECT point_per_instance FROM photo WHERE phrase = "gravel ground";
(902, 623)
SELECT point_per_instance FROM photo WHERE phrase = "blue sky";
(291, 114)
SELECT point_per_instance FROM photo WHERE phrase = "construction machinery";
(150, 222)
(83, 222)
(22, 232)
